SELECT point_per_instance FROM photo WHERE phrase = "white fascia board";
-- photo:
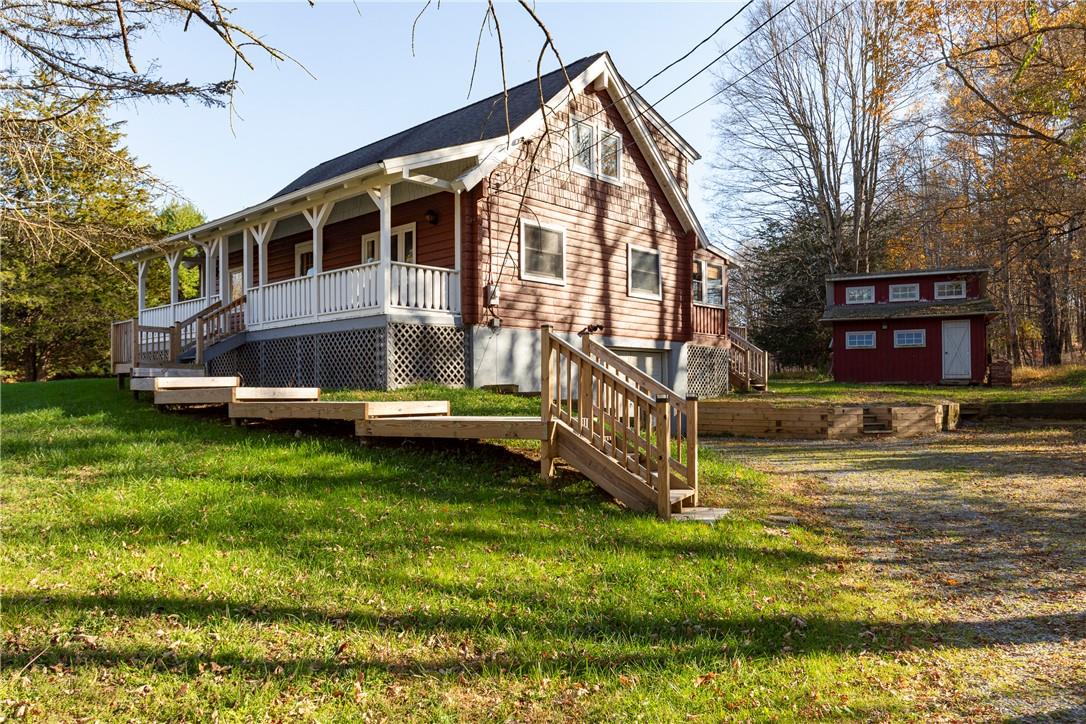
(646, 110)
(185, 237)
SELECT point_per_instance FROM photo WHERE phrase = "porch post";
(383, 199)
(173, 259)
(224, 269)
(262, 233)
(209, 269)
(317, 218)
(141, 285)
(247, 275)
(456, 248)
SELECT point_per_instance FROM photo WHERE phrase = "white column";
(224, 269)
(262, 260)
(174, 260)
(383, 199)
(317, 218)
(209, 270)
(141, 285)
(252, 303)
(456, 249)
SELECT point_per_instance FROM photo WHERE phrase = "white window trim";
(704, 302)
(528, 276)
(874, 339)
(299, 249)
(915, 292)
(960, 282)
(923, 338)
(376, 237)
(862, 301)
(599, 130)
(637, 293)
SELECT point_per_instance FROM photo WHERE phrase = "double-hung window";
(596, 150)
(909, 338)
(643, 280)
(859, 295)
(950, 290)
(904, 292)
(708, 283)
(303, 259)
(860, 340)
(542, 253)
(402, 244)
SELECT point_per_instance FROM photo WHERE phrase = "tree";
(59, 299)
(808, 106)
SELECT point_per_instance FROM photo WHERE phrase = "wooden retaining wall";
(821, 422)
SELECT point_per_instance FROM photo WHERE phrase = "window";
(403, 245)
(596, 150)
(237, 288)
(859, 295)
(542, 253)
(950, 290)
(904, 292)
(859, 340)
(909, 338)
(643, 280)
(584, 147)
(708, 283)
(303, 259)
(610, 155)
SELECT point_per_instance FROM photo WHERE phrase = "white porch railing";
(426, 288)
(166, 314)
(348, 290)
(353, 292)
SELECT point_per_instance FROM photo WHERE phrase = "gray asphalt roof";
(909, 273)
(480, 121)
(902, 310)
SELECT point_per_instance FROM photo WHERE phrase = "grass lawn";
(1064, 383)
(169, 566)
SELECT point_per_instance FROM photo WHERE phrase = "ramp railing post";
(546, 392)
(692, 444)
(663, 457)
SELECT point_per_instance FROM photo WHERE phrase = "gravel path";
(989, 526)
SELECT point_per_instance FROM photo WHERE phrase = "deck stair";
(631, 435)
(749, 365)
(138, 346)
(877, 421)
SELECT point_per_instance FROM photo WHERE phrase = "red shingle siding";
(600, 219)
(927, 286)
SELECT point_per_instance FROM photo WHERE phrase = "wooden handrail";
(217, 324)
(203, 312)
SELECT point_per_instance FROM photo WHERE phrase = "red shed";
(925, 326)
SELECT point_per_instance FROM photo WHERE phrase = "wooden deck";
(458, 427)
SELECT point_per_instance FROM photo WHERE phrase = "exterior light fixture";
(430, 216)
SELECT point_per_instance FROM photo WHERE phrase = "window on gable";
(859, 295)
(542, 253)
(584, 147)
(610, 155)
(909, 338)
(644, 272)
(950, 290)
(860, 340)
(904, 292)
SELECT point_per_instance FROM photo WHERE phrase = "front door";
(956, 350)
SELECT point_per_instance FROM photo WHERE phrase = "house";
(926, 326)
(437, 253)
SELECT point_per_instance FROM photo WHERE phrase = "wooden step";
(189, 383)
(295, 410)
(171, 371)
(617, 481)
(458, 427)
(677, 495)
(226, 395)
(879, 431)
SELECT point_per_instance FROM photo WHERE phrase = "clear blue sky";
(367, 84)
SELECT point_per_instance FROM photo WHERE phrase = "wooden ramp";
(459, 427)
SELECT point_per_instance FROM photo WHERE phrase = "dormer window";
(904, 292)
(859, 295)
(950, 290)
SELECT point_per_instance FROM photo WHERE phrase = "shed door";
(956, 350)
(653, 363)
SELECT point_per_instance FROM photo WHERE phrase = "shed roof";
(909, 273)
(910, 310)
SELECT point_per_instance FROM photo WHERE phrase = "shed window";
(644, 272)
(909, 338)
(542, 253)
(950, 290)
(904, 292)
(860, 340)
(859, 295)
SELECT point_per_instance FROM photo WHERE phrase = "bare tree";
(806, 119)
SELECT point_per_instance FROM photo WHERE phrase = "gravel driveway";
(986, 524)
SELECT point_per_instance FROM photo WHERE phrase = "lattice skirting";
(377, 358)
(706, 371)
